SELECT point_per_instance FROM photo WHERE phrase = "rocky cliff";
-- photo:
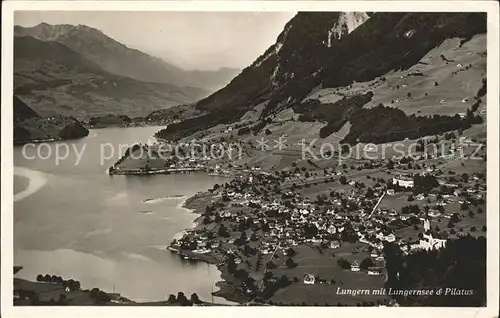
(335, 50)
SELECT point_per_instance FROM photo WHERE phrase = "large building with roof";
(403, 180)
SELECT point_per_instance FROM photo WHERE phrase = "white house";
(309, 279)
(332, 229)
(202, 250)
(374, 271)
(355, 266)
(334, 244)
(390, 238)
(429, 243)
(434, 213)
(427, 225)
(403, 181)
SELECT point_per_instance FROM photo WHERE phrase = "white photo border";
(492, 9)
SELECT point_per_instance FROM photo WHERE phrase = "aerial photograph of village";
(250, 158)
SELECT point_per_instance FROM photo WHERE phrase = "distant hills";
(79, 71)
(115, 57)
(54, 79)
(31, 127)
(22, 111)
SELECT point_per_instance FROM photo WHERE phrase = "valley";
(57, 72)
(314, 194)
(350, 155)
(53, 79)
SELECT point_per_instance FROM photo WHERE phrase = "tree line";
(71, 283)
(461, 265)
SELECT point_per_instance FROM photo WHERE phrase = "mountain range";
(412, 65)
(119, 59)
(80, 71)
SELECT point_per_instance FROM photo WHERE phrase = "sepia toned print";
(281, 158)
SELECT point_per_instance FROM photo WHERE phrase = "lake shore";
(39, 293)
(196, 204)
(35, 181)
(140, 172)
(94, 224)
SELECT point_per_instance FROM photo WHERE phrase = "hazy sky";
(192, 40)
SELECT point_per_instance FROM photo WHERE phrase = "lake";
(74, 220)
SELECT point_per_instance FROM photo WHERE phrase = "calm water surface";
(78, 222)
